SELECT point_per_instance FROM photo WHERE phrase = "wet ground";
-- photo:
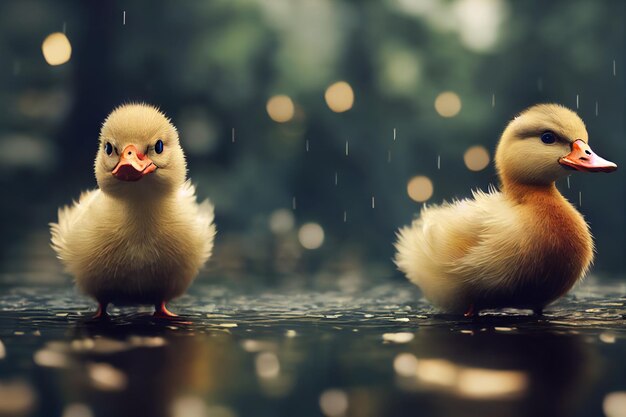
(264, 352)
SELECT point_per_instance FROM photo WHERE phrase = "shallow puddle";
(265, 352)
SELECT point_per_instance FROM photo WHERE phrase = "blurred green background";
(214, 66)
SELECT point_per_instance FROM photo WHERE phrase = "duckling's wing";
(68, 216)
(455, 244)
(203, 215)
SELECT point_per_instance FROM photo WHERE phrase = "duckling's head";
(139, 153)
(543, 143)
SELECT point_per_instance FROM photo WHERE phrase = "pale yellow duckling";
(140, 237)
(521, 247)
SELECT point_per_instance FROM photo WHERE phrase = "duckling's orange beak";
(582, 158)
(133, 165)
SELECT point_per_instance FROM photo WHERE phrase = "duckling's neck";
(524, 193)
(145, 211)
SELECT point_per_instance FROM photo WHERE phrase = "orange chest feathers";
(561, 242)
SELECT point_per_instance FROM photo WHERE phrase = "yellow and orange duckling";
(522, 247)
(141, 236)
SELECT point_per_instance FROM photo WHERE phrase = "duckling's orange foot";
(161, 311)
(471, 312)
(102, 311)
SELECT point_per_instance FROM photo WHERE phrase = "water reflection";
(141, 376)
(517, 374)
(267, 353)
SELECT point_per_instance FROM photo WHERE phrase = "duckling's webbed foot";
(161, 311)
(102, 310)
(471, 312)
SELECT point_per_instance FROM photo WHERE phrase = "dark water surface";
(265, 352)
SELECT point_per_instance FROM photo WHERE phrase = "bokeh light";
(439, 372)
(77, 410)
(614, 404)
(280, 108)
(267, 365)
(311, 235)
(478, 383)
(339, 97)
(405, 364)
(106, 377)
(188, 406)
(478, 22)
(420, 188)
(476, 158)
(400, 337)
(281, 221)
(334, 403)
(50, 358)
(448, 104)
(56, 49)
(16, 398)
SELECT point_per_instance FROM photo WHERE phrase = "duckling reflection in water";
(141, 236)
(524, 246)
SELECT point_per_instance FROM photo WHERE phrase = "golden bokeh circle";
(339, 97)
(448, 104)
(56, 49)
(420, 188)
(280, 108)
(311, 235)
(476, 158)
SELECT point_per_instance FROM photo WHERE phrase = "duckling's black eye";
(108, 148)
(548, 137)
(158, 147)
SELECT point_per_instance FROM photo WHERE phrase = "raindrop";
(232, 134)
(614, 69)
(577, 101)
(596, 108)
(307, 145)
(580, 199)
(124, 17)
(540, 84)
(394, 133)
(438, 161)
(493, 100)
(373, 202)
(568, 183)
(65, 27)
(336, 178)
(345, 216)
(389, 156)
(347, 147)
(293, 203)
